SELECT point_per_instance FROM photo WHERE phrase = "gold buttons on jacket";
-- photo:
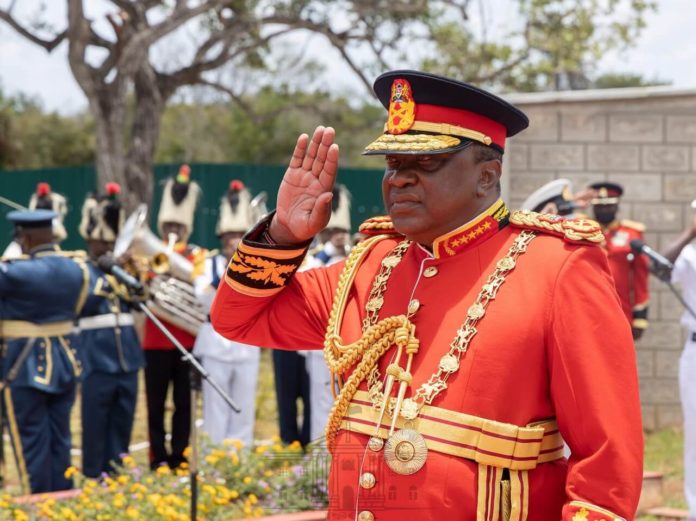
(413, 306)
(375, 444)
(430, 271)
(367, 480)
(366, 515)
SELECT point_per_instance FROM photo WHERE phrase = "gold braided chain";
(377, 337)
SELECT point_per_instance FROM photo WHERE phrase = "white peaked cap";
(340, 209)
(549, 191)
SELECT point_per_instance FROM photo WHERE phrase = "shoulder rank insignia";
(572, 230)
(378, 225)
(634, 225)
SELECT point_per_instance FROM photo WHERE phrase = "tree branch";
(49, 45)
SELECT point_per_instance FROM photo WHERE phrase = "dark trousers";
(108, 408)
(291, 384)
(43, 422)
(164, 366)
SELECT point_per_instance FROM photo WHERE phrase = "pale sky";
(666, 50)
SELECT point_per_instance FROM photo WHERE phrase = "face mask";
(604, 216)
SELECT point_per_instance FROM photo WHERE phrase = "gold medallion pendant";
(405, 451)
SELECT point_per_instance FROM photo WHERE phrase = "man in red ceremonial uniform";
(164, 364)
(630, 271)
(467, 340)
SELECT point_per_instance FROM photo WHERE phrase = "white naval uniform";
(684, 273)
(233, 365)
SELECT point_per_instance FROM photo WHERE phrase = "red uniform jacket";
(553, 344)
(630, 270)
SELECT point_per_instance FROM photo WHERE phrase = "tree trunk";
(109, 115)
(149, 106)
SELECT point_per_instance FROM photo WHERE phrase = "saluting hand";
(303, 208)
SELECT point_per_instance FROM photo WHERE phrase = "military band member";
(630, 271)
(44, 198)
(110, 343)
(233, 365)
(41, 294)
(164, 365)
(466, 338)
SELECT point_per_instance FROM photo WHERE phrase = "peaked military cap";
(32, 218)
(430, 114)
(559, 191)
(607, 193)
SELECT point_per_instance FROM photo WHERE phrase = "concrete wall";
(645, 139)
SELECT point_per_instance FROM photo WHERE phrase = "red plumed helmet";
(236, 185)
(43, 189)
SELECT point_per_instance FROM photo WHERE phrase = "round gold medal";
(405, 452)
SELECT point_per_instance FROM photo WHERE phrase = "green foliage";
(554, 47)
(220, 132)
(32, 138)
(619, 80)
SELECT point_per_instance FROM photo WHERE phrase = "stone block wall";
(645, 139)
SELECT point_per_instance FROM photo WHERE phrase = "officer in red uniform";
(466, 338)
(630, 271)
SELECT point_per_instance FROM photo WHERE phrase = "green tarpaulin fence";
(74, 183)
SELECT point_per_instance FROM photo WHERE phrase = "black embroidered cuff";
(260, 268)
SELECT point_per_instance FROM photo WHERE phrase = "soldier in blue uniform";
(111, 346)
(41, 294)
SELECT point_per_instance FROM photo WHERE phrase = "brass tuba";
(171, 290)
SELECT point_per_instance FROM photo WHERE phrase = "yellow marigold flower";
(183, 465)
(123, 479)
(295, 445)
(20, 515)
(187, 452)
(277, 447)
(253, 499)
(128, 461)
(70, 472)
(163, 470)
(235, 459)
(67, 514)
(247, 510)
(211, 459)
(209, 489)
(119, 501)
(234, 494)
(261, 449)
(132, 513)
(247, 480)
(258, 512)
(267, 473)
(149, 480)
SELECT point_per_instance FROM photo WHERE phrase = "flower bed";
(233, 483)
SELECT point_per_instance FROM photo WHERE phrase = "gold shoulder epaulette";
(634, 225)
(572, 230)
(378, 225)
